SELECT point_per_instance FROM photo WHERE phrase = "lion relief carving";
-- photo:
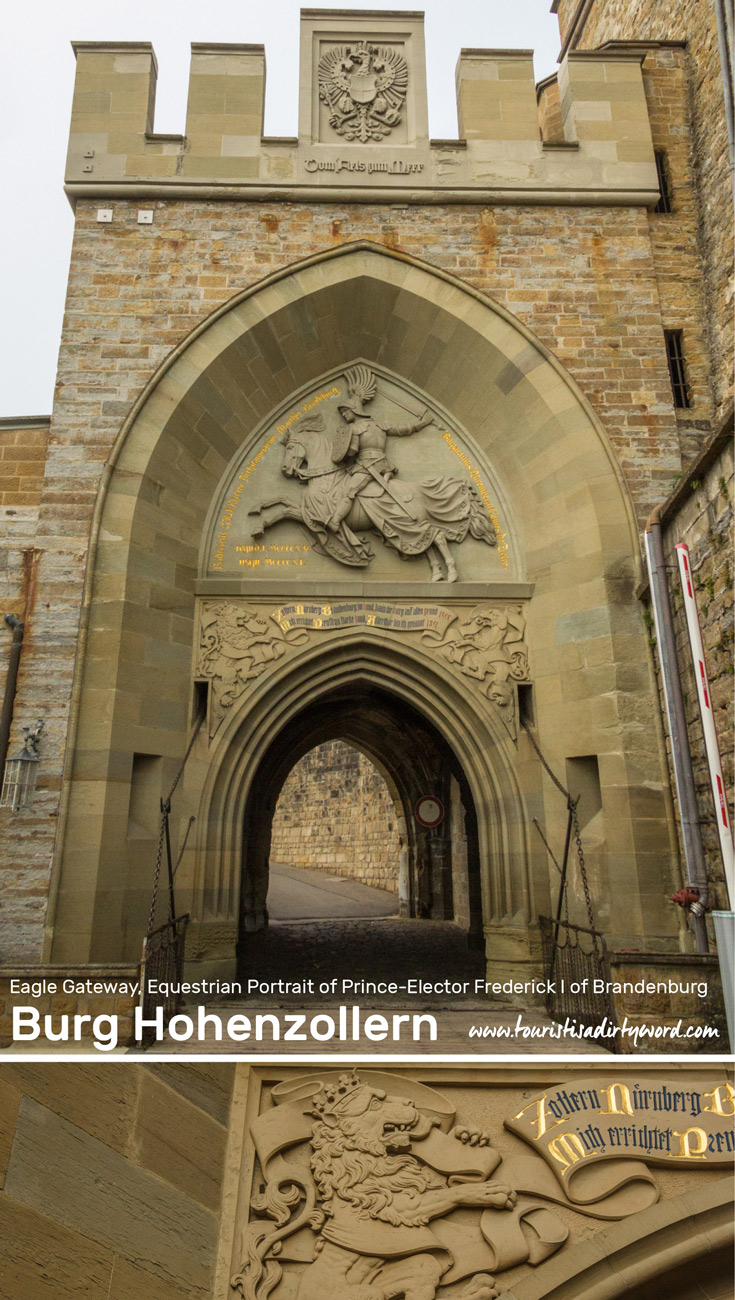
(379, 1211)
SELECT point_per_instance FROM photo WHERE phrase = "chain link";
(182, 850)
(572, 806)
(165, 811)
(582, 867)
(157, 874)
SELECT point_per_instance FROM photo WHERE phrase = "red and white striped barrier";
(704, 693)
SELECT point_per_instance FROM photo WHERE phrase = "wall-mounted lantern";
(19, 778)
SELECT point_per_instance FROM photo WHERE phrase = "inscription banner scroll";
(596, 1135)
(432, 620)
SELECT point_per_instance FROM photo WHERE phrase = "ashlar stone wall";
(700, 513)
(110, 1179)
(693, 24)
(335, 814)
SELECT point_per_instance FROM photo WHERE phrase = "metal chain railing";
(552, 855)
(162, 958)
(573, 826)
(163, 834)
(574, 952)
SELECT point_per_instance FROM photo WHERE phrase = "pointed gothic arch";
(578, 554)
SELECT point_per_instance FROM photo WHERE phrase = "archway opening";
(336, 839)
(341, 744)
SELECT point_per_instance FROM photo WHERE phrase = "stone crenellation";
(500, 143)
(335, 814)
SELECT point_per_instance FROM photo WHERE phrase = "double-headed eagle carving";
(364, 88)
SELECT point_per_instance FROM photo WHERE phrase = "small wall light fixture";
(19, 778)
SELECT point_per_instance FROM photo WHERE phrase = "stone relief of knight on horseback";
(351, 487)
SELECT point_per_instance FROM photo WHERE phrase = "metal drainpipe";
(11, 681)
(680, 755)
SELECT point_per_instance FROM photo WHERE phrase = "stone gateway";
(355, 438)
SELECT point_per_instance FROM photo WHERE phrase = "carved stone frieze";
(368, 1188)
(490, 648)
(237, 645)
(239, 642)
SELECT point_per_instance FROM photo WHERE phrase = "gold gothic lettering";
(568, 1150)
(723, 1100)
(541, 1117)
(619, 1100)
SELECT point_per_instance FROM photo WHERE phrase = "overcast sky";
(36, 83)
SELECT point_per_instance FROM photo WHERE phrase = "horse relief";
(351, 488)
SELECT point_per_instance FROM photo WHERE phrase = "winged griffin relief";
(364, 88)
(239, 642)
(351, 487)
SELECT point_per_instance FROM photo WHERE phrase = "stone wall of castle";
(335, 814)
(693, 23)
(583, 279)
(97, 1163)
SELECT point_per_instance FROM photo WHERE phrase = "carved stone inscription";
(239, 642)
(368, 1188)
(431, 620)
(608, 1121)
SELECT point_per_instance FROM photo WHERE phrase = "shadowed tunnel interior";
(439, 929)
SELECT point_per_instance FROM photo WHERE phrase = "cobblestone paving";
(387, 950)
(390, 948)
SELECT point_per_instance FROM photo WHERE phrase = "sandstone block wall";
(58, 1001)
(584, 279)
(110, 1179)
(694, 24)
(700, 1015)
(335, 814)
(22, 460)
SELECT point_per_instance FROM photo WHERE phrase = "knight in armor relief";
(365, 439)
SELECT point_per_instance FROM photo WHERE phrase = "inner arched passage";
(336, 816)
(439, 869)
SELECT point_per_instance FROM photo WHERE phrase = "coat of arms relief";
(368, 1186)
(239, 642)
(364, 89)
(362, 1187)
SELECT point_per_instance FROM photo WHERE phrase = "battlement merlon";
(356, 143)
(112, 139)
